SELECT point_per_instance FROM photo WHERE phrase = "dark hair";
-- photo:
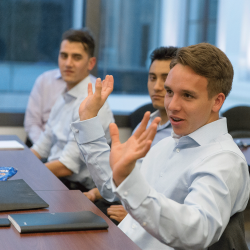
(208, 61)
(83, 36)
(163, 53)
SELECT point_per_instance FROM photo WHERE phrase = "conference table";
(60, 199)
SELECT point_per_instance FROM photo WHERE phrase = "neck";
(164, 116)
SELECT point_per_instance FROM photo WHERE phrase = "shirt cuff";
(88, 130)
(42, 153)
(133, 190)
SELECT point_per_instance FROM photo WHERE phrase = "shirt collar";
(209, 132)
(157, 114)
(81, 89)
(58, 74)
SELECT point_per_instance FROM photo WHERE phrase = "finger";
(150, 132)
(115, 218)
(90, 91)
(98, 87)
(114, 133)
(143, 125)
(116, 206)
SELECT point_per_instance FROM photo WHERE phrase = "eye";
(188, 96)
(152, 77)
(63, 56)
(169, 92)
(77, 57)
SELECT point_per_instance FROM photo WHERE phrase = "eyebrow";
(74, 54)
(190, 92)
(164, 74)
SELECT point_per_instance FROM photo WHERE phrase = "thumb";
(114, 133)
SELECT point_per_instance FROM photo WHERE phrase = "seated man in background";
(158, 72)
(47, 88)
(57, 142)
(189, 184)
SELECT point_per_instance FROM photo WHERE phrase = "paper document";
(10, 145)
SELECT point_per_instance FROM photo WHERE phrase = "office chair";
(238, 121)
(233, 238)
(136, 117)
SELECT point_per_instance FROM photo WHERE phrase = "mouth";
(157, 96)
(175, 120)
(68, 71)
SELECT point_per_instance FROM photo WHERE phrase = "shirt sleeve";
(45, 142)
(218, 188)
(33, 116)
(93, 145)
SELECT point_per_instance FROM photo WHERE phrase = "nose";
(172, 103)
(159, 85)
(69, 61)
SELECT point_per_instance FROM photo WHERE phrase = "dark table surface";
(60, 199)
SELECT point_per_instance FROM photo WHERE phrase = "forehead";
(160, 67)
(72, 47)
(183, 77)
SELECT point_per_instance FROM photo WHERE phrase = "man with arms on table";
(57, 143)
(191, 183)
(158, 72)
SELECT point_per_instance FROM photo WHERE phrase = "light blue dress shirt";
(184, 193)
(57, 142)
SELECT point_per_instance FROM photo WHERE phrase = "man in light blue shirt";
(57, 143)
(189, 184)
(158, 72)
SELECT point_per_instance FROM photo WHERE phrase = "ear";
(92, 62)
(218, 101)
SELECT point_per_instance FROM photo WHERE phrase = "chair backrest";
(238, 121)
(233, 238)
(137, 115)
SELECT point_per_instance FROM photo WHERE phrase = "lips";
(176, 120)
(157, 96)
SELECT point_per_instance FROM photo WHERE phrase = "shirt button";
(125, 193)
(77, 130)
(133, 226)
(161, 174)
(177, 150)
(144, 223)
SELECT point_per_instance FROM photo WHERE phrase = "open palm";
(124, 156)
(91, 105)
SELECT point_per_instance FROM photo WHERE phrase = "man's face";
(157, 75)
(74, 62)
(186, 100)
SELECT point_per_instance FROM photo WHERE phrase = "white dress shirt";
(57, 141)
(185, 192)
(47, 88)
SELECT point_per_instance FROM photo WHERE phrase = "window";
(30, 32)
(201, 21)
(129, 32)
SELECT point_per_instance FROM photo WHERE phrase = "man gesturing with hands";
(190, 183)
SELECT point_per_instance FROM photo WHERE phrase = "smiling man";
(57, 143)
(158, 72)
(191, 183)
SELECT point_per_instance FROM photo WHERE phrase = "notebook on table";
(18, 195)
(56, 222)
(11, 145)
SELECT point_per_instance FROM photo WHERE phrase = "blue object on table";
(6, 173)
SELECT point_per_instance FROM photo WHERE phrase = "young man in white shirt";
(158, 72)
(189, 184)
(57, 143)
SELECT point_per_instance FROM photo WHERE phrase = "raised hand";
(123, 156)
(91, 105)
